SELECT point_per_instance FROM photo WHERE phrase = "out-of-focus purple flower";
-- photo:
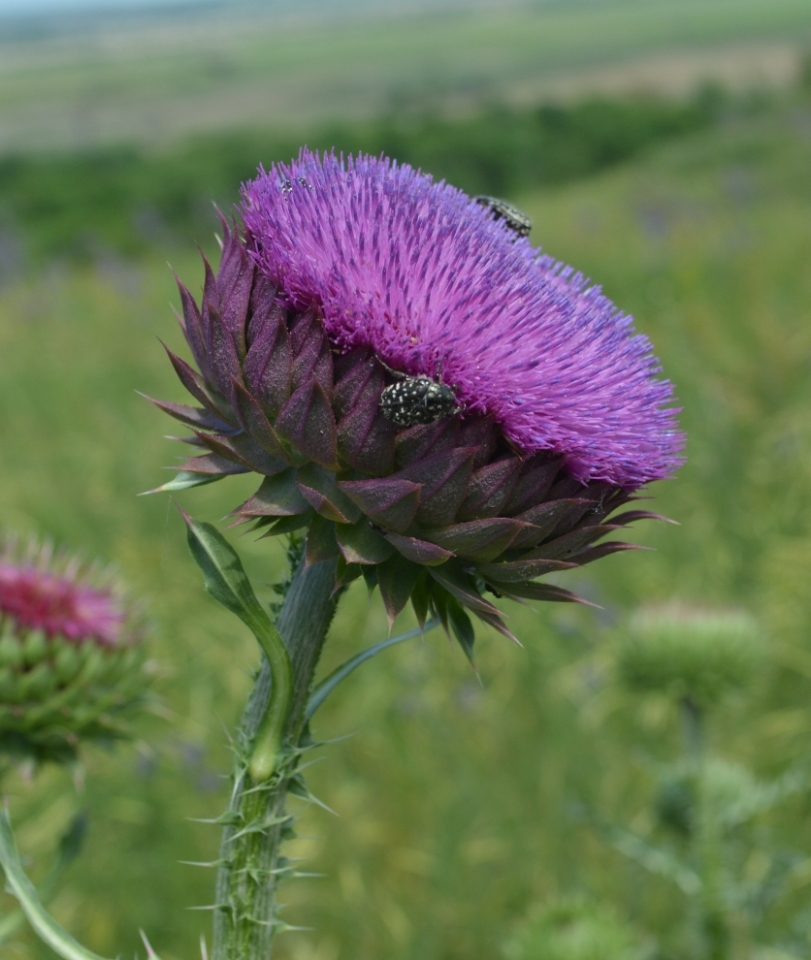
(59, 604)
(530, 410)
(71, 655)
(424, 277)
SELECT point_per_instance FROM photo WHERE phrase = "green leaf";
(226, 581)
(46, 928)
(325, 688)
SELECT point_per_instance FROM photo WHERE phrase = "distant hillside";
(42, 18)
(73, 82)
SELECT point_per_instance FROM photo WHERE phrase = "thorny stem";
(256, 822)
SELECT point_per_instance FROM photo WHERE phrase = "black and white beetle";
(514, 219)
(415, 400)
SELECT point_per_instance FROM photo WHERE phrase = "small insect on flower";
(514, 219)
(415, 400)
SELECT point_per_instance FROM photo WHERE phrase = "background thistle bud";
(700, 654)
(347, 299)
(71, 657)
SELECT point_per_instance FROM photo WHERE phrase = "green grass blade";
(325, 688)
(46, 928)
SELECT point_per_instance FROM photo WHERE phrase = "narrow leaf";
(46, 928)
(325, 688)
(69, 847)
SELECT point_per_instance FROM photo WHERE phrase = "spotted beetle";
(513, 218)
(415, 400)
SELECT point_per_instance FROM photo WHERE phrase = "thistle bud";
(700, 654)
(71, 657)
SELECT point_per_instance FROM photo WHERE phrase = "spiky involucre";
(71, 656)
(437, 513)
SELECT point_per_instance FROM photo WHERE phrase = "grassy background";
(453, 798)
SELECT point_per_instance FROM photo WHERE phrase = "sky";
(35, 6)
(49, 6)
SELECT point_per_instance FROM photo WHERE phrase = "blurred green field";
(156, 82)
(453, 798)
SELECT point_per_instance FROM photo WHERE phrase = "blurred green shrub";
(690, 653)
(573, 929)
(127, 199)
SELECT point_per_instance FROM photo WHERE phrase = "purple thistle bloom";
(70, 652)
(445, 412)
(422, 276)
(59, 605)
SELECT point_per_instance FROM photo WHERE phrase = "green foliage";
(690, 653)
(573, 930)
(128, 200)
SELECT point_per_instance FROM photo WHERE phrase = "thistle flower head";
(70, 651)
(422, 276)
(446, 412)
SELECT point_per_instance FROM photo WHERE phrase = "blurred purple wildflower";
(422, 276)
(59, 605)
(71, 655)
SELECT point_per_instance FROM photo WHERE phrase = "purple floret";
(421, 274)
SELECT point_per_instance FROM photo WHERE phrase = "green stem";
(256, 822)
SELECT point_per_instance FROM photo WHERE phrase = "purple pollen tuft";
(422, 275)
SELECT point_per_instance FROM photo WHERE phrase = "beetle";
(417, 400)
(513, 218)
